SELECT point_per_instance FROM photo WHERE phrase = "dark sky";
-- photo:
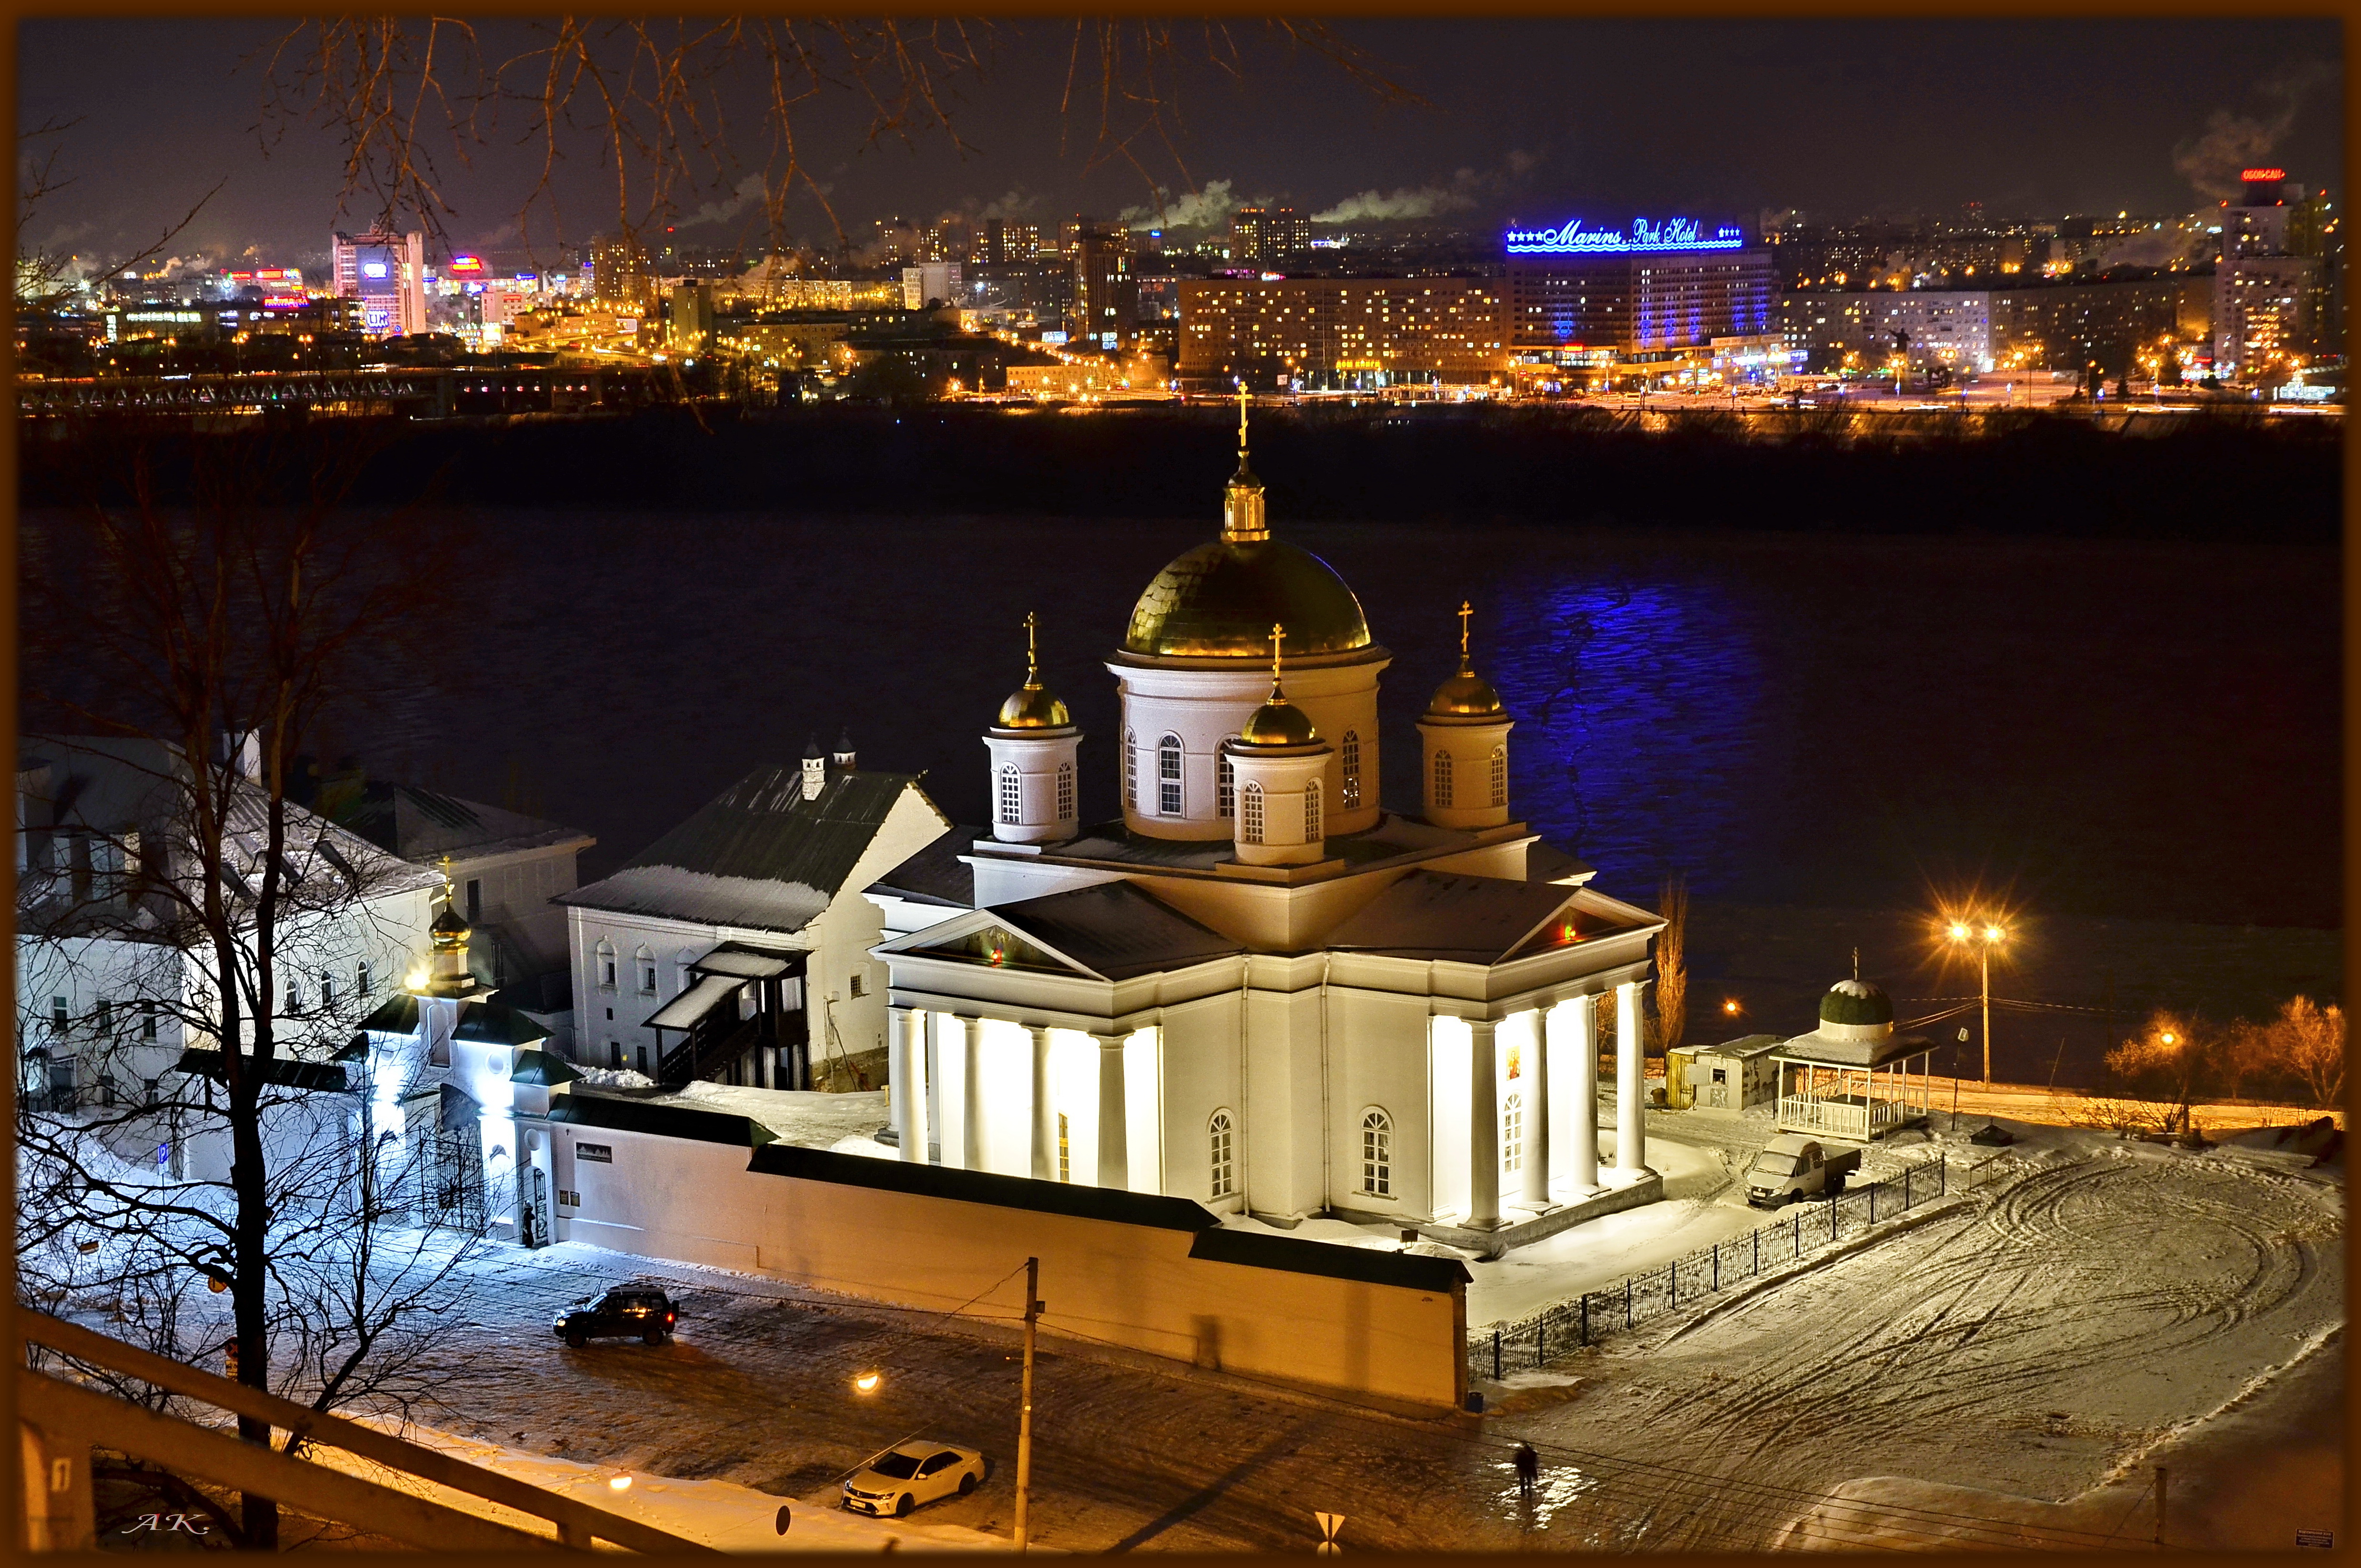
(1531, 121)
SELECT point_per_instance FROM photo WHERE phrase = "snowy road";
(2038, 1334)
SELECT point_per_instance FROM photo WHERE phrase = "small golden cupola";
(1466, 734)
(447, 971)
(1277, 764)
(1034, 745)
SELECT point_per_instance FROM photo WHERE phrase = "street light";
(1986, 935)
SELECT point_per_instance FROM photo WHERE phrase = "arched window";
(1512, 1134)
(1167, 775)
(643, 964)
(1130, 771)
(1499, 776)
(327, 993)
(1012, 796)
(361, 979)
(1224, 1166)
(1376, 1153)
(1066, 791)
(1312, 831)
(1349, 756)
(1250, 814)
(295, 999)
(606, 961)
(1440, 795)
(1225, 786)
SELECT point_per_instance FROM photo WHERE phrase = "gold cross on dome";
(1032, 649)
(1242, 417)
(1466, 609)
(1277, 632)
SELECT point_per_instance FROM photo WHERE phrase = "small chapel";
(1259, 987)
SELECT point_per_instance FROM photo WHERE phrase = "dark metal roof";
(758, 855)
(592, 1109)
(936, 874)
(1372, 1266)
(489, 1024)
(397, 1017)
(1115, 930)
(419, 824)
(278, 1070)
(1445, 915)
(539, 1067)
(983, 1187)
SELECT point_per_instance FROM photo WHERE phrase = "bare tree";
(47, 281)
(175, 905)
(2168, 1061)
(653, 102)
(1672, 1001)
(2310, 1041)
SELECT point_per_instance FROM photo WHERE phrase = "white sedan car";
(909, 1473)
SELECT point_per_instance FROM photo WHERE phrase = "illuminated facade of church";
(1259, 988)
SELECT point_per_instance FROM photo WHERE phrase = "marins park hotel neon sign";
(1571, 238)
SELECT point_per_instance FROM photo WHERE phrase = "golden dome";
(1278, 722)
(1219, 599)
(1465, 695)
(1030, 706)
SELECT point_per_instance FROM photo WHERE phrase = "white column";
(972, 1113)
(1483, 1127)
(952, 1092)
(1585, 1129)
(909, 1064)
(1630, 1081)
(1537, 1119)
(1045, 1120)
(1115, 1161)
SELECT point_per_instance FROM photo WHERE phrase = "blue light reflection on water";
(1641, 737)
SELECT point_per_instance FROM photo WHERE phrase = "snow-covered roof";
(760, 855)
(1110, 930)
(420, 824)
(1458, 918)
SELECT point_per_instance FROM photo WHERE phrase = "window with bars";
(1512, 1134)
(1377, 1154)
(1224, 1170)
(1349, 757)
(1313, 833)
(643, 963)
(1499, 776)
(1130, 771)
(1225, 787)
(1441, 792)
(1250, 814)
(1012, 795)
(1167, 775)
(1066, 791)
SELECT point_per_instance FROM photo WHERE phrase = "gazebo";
(1852, 1077)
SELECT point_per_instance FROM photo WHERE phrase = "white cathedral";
(1263, 990)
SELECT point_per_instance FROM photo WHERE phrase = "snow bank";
(615, 1078)
(720, 1514)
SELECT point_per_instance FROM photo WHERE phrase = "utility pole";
(1984, 957)
(1024, 1407)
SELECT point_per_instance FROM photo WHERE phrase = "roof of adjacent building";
(1452, 917)
(758, 854)
(485, 1022)
(936, 874)
(422, 823)
(588, 1108)
(1829, 1051)
(278, 1070)
(1073, 1199)
(1746, 1045)
(540, 1068)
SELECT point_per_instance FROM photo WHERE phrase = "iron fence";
(1804, 1229)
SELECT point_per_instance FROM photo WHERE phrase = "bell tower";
(1035, 794)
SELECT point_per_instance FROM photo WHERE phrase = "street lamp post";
(1025, 1405)
(1986, 937)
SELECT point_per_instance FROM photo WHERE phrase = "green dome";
(1856, 1001)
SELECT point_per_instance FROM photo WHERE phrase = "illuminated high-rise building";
(1263, 237)
(1105, 306)
(387, 273)
(1647, 287)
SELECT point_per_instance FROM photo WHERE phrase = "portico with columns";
(1250, 985)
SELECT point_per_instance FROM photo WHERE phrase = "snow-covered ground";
(848, 1123)
(725, 1514)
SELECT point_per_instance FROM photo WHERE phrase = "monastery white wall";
(1200, 1070)
(1378, 1056)
(1130, 1285)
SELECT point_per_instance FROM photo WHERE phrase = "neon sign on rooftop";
(1673, 234)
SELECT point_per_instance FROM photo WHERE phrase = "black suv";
(642, 1310)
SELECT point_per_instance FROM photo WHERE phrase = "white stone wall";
(1204, 708)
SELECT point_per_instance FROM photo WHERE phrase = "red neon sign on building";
(2261, 176)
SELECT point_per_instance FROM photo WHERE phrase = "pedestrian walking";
(1529, 1469)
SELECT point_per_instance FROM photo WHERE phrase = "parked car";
(641, 1310)
(909, 1473)
(1793, 1167)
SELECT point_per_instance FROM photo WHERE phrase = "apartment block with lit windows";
(1640, 302)
(1320, 333)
